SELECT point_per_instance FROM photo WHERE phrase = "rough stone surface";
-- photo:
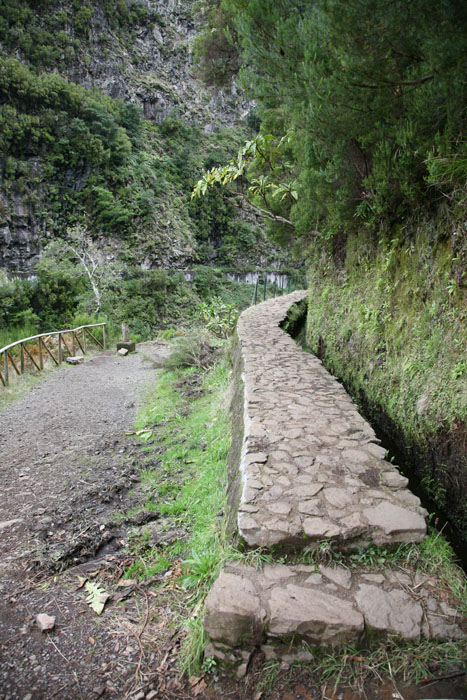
(233, 611)
(310, 465)
(306, 467)
(75, 360)
(293, 604)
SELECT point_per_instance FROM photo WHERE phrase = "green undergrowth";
(391, 323)
(186, 417)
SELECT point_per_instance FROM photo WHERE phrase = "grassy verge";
(187, 417)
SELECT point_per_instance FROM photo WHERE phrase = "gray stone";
(338, 575)
(338, 497)
(313, 507)
(392, 611)
(233, 611)
(319, 527)
(401, 524)
(45, 622)
(280, 507)
(305, 491)
(393, 480)
(319, 618)
(75, 359)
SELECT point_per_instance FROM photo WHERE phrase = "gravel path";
(66, 466)
(52, 437)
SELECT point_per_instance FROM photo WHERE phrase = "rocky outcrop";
(149, 64)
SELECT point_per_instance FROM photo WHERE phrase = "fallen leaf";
(127, 582)
(91, 640)
(82, 580)
(45, 622)
(96, 597)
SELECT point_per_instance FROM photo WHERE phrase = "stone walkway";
(311, 466)
(307, 470)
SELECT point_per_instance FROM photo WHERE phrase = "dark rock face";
(154, 70)
(19, 233)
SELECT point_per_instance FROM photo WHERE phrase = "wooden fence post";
(41, 359)
(5, 367)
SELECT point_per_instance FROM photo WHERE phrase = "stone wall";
(306, 471)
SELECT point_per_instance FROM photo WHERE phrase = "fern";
(96, 597)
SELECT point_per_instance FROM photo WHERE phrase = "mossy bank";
(389, 321)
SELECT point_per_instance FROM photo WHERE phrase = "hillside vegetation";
(362, 163)
(104, 128)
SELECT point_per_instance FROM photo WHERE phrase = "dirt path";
(66, 469)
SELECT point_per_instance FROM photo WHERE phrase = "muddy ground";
(69, 475)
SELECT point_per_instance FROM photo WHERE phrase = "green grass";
(10, 335)
(188, 488)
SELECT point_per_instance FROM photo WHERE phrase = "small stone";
(393, 480)
(319, 527)
(254, 484)
(281, 508)
(338, 575)
(339, 498)
(75, 360)
(245, 508)
(256, 458)
(306, 491)
(314, 579)
(356, 456)
(312, 507)
(45, 622)
(375, 450)
(123, 352)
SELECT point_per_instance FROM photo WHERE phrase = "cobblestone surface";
(311, 466)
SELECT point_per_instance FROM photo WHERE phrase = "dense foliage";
(372, 95)
(72, 154)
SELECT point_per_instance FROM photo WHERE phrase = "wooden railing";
(35, 349)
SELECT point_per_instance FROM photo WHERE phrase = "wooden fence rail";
(68, 342)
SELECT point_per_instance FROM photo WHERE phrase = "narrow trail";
(66, 467)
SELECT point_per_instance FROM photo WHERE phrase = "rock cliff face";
(149, 63)
(156, 69)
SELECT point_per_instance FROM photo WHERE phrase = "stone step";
(285, 610)
(310, 467)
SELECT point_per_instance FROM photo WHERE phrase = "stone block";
(75, 360)
(233, 611)
(130, 346)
